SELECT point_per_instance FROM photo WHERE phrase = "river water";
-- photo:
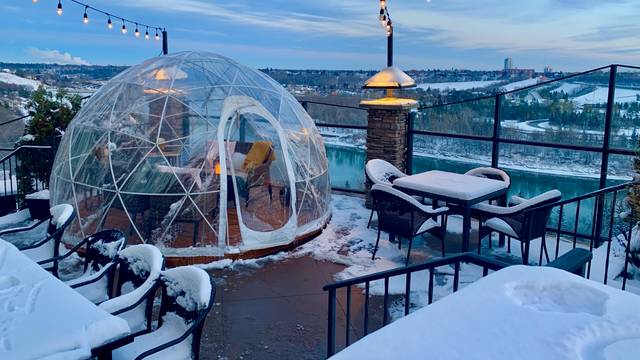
(347, 171)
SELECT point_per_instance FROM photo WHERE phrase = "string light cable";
(385, 18)
(137, 24)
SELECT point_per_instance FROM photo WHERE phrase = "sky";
(567, 35)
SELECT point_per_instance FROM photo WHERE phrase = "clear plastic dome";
(197, 154)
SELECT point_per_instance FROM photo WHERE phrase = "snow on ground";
(601, 93)
(458, 85)
(568, 88)
(9, 78)
(520, 84)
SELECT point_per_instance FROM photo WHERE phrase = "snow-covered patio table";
(520, 312)
(453, 188)
(41, 317)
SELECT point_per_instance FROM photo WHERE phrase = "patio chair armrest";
(173, 342)
(65, 255)
(435, 211)
(105, 272)
(490, 210)
(516, 200)
(143, 298)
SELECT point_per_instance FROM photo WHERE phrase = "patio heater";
(388, 117)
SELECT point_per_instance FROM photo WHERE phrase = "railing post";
(495, 138)
(165, 43)
(604, 164)
(305, 105)
(409, 153)
(331, 325)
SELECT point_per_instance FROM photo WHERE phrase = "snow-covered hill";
(9, 78)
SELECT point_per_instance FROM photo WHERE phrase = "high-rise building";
(508, 64)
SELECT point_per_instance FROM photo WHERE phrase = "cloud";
(55, 57)
(273, 17)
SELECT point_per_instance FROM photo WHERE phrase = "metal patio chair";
(99, 264)
(43, 246)
(187, 297)
(402, 215)
(378, 171)
(138, 274)
(521, 221)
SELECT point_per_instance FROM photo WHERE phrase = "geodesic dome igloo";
(197, 154)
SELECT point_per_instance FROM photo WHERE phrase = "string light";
(124, 30)
(385, 18)
(85, 17)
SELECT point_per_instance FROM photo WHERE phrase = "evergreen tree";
(50, 115)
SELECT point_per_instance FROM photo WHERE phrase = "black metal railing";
(496, 137)
(17, 180)
(607, 225)
(370, 320)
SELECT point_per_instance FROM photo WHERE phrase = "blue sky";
(334, 34)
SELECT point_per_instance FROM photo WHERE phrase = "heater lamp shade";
(389, 78)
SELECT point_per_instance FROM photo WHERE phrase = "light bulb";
(383, 4)
(34, 1)
(124, 29)
(146, 34)
(157, 36)
(109, 24)
(137, 32)
(85, 17)
(59, 11)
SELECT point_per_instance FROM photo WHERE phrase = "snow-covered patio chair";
(139, 271)
(379, 171)
(490, 173)
(98, 264)
(513, 222)
(187, 296)
(41, 245)
(402, 215)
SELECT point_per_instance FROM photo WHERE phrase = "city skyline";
(567, 35)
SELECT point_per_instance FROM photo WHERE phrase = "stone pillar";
(387, 127)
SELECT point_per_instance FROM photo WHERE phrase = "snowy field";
(600, 95)
(458, 85)
(12, 79)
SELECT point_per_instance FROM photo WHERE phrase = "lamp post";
(388, 117)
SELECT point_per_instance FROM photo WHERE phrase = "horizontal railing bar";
(341, 126)
(14, 151)
(551, 145)
(452, 135)
(465, 257)
(330, 104)
(583, 197)
(14, 120)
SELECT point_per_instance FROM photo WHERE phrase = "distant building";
(548, 69)
(508, 64)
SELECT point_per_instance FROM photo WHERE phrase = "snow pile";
(60, 214)
(510, 314)
(40, 195)
(20, 218)
(190, 286)
(12, 79)
(143, 260)
(458, 85)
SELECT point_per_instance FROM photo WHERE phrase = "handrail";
(520, 89)
(14, 120)
(583, 196)
(330, 104)
(491, 264)
(15, 151)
